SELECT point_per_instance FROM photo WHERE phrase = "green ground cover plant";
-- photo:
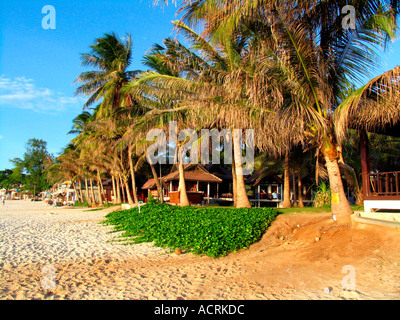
(211, 231)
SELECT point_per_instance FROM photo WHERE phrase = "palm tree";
(67, 166)
(312, 57)
(110, 57)
(200, 85)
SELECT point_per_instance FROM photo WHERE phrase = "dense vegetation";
(294, 71)
(201, 230)
(28, 172)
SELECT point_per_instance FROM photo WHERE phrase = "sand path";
(63, 253)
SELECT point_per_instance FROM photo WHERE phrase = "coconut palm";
(209, 78)
(311, 55)
(110, 57)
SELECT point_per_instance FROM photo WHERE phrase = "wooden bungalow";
(381, 190)
(224, 193)
(201, 185)
(151, 187)
(267, 189)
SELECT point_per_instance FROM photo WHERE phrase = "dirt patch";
(309, 253)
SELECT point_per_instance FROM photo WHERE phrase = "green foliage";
(11, 178)
(211, 231)
(322, 196)
(81, 204)
(29, 171)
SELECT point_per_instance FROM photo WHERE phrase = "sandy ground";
(62, 253)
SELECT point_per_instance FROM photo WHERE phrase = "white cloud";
(22, 93)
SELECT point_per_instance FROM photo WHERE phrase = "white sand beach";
(69, 249)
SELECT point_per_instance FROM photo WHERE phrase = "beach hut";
(201, 185)
(267, 188)
(381, 190)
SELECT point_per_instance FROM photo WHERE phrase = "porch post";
(259, 195)
(365, 164)
(208, 192)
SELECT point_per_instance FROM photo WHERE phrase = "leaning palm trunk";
(103, 194)
(300, 189)
(135, 198)
(114, 190)
(286, 183)
(87, 192)
(183, 197)
(80, 191)
(339, 204)
(242, 199)
(158, 184)
(123, 198)
(92, 192)
(99, 189)
(118, 194)
(75, 191)
(128, 192)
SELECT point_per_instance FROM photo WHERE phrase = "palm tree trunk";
(128, 192)
(183, 197)
(242, 199)
(103, 194)
(340, 206)
(234, 183)
(78, 198)
(122, 189)
(80, 191)
(118, 190)
(87, 192)
(99, 188)
(135, 198)
(92, 191)
(114, 190)
(286, 183)
(76, 192)
(300, 187)
(294, 190)
(158, 184)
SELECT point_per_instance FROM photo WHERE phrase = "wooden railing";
(382, 185)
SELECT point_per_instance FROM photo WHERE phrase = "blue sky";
(38, 66)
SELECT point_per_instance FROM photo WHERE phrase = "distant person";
(4, 201)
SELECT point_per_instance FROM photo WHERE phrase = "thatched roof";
(151, 184)
(374, 107)
(193, 172)
(261, 175)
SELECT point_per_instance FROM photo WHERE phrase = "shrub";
(211, 231)
(322, 196)
(81, 204)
